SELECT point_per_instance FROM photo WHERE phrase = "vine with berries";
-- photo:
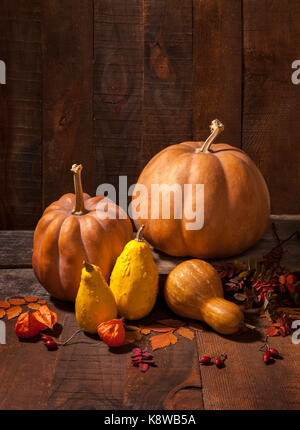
(265, 283)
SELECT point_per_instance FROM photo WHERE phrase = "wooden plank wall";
(110, 83)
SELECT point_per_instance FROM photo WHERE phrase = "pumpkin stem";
(216, 127)
(139, 235)
(79, 202)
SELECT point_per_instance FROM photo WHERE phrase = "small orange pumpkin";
(236, 199)
(71, 231)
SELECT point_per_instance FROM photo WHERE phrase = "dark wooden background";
(109, 83)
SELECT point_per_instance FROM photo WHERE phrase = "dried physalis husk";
(45, 317)
(13, 312)
(34, 306)
(16, 302)
(4, 304)
(31, 299)
(2, 313)
(27, 326)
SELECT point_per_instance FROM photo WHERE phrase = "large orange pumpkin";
(71, 231)
(236, 199)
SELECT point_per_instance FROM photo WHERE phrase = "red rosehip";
(273, 352)
(219, 362)
(267, 357)
(205, 359)
(51, 345)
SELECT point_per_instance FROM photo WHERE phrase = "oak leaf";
(16, 302)
(185, 332)
(162, 340)
(13, 312)
(31, 299)
(4, 304)
(34, 306)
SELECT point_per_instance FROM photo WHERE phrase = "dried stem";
(70, 338)
(216, 127)
(79, 202)
(139, 235)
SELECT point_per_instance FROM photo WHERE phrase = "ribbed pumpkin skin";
(63, 240)
(236, 201)
(194, 290)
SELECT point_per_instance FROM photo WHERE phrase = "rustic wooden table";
(86, 375)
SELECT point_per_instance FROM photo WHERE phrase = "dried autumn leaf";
(185, 332)
(45, 317)
(145, 331)
(31, 299)
(132, 336)
(172, 323)
(162, 340)
(34, 306)
(132, 328)
(13, 312)
(272, 331)
(158, 328)
(2, 313)
(4, 304)
(42, 301)
(16, 302)
(196, 326)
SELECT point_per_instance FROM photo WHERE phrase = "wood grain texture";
(247, 382)
(217, 77)
(85, 374)
(16, 247)
(20, 114)
(67, 95)
(168, 83)
(271, 102)
(118, 89)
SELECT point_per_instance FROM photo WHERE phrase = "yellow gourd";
(134, 279)
(94, 302)
(194, 290)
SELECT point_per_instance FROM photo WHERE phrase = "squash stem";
(139, 235)
(88, 266)
(79, 208)
(216, 127)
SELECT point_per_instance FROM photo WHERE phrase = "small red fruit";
(112, 332)
(273, 352)
(205, 359)
(219, 362)
(51, 345)
(267, 357)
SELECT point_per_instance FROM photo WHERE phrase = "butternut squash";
(194, 290)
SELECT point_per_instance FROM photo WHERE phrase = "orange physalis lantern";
(27, 326)
(112, 332)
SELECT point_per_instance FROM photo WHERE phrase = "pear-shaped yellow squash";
(134, 279)
(95, 302)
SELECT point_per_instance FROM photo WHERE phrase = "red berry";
(267, 357)
(205, 359)
(219, 362)
(51, 345)
(46, 338)
(273, 352)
